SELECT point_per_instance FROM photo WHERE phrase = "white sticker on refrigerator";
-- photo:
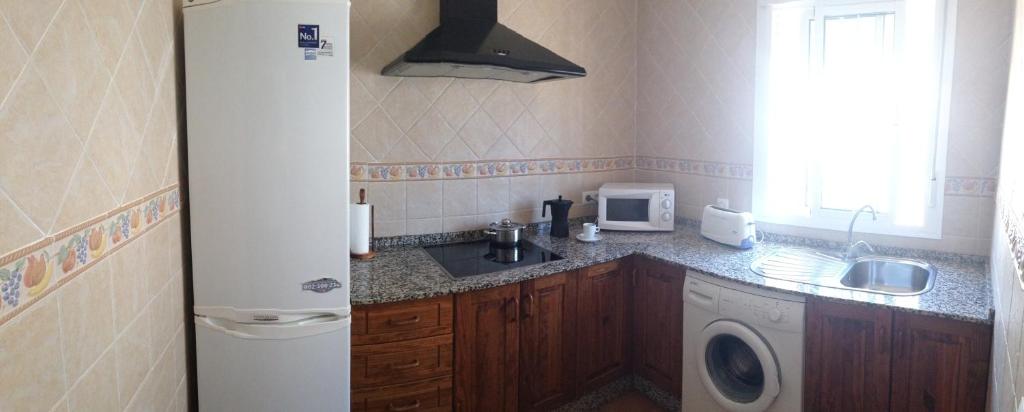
(326, 47)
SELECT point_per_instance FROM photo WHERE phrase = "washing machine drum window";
(739, 370)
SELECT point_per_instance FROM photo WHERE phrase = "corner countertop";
(962, 290)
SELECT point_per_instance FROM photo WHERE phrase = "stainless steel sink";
(890, 276)
(876, 274)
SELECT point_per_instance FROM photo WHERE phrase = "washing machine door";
(739, 369)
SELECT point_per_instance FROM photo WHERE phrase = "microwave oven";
(636, 206)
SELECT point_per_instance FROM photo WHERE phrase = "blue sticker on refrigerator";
(309, 36)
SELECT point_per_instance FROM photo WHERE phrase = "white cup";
(590, 230)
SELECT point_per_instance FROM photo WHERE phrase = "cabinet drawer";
(401, 362)
(392, 322)
(432, 395)
(601, 269)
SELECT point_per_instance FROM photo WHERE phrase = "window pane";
(859, 111)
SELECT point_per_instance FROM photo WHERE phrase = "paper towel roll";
(359, 229)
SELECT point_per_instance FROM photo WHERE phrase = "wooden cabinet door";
(847, 357)
(547, 345)
(487, 349)
(939, 364)
(603, 325)
(658, 324)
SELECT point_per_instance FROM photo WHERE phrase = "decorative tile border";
(955, 185)
(386, 172)
(736, 171)
(971, 186)
(30, 273)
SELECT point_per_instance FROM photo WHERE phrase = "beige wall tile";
(13, 61)
(388, 200)
(128, 284)
(422, 226)
(142, 181)
(86, 319)
(113, 144)
(489, 119)
(460, 223)
(166, 315)
(377, 134)
(89, 345)
(31, 357)
(431, 133)
(153, 29)
(18, 229)
(180, 401)
(156, 260)
(172, 173)
(388, 228)
(69, 62)
(175, 248)
(97, 389)
(27, 18)
(38, 150)
(134, 82)
(525, 192)
(132, 358)
(460, 197)
(493, 196)
(423, 199)
(111, 21)
(87, 197)
(157, 390)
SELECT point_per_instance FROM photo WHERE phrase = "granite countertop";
(961, 290)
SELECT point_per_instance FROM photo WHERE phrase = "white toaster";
(728, 227)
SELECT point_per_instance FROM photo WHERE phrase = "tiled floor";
(631, 402)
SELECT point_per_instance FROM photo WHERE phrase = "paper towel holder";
(371, 253)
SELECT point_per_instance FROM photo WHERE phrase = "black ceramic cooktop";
(477, 258)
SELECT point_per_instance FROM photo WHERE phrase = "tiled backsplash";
(695, 84)
(92, 313)
(451, 205)
(439, 154)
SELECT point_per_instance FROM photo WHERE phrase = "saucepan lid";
(506, 224)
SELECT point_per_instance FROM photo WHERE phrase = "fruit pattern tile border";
(971, 186)
(33, 272)
(386, 172)
(735, 171)
(1013, 224)
(963, 186)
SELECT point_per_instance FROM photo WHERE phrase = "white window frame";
(813, 215)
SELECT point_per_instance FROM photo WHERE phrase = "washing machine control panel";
(762, 311)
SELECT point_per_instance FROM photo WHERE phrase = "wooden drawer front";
(401, 321)
(601, 269)
(425, 396)
(401, 362)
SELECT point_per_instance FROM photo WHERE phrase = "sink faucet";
(851, 248)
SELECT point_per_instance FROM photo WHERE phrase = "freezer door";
(268, 153)
(237, 373)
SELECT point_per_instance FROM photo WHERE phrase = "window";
(852, 102)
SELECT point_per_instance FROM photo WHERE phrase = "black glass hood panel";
(470, 43)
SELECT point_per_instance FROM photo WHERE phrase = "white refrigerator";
(267, 115)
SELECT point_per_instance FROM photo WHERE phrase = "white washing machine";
(742, 347)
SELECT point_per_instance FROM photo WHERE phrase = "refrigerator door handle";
(313, 325)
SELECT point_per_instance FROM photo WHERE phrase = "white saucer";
(596, 238)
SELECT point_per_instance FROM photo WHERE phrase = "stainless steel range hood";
(470, 43)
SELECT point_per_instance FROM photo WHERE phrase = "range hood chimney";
(470, 43)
